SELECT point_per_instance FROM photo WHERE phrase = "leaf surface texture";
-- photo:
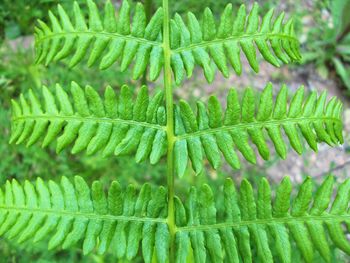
(130, 39)
(245, 223)
(114, 124)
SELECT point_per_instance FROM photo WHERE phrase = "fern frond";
(263, 224)
(198, 43)
(212, 132)
(123, 127)
(238, 226)
(195, 43)
(114, 124)
(67, 214)
(106, 39)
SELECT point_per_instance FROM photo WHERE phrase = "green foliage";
(17, 73)
(17, 17)
(196, 7)
(115, 125)
(213, 131)
(240, 226)
(333, 50)
(251, 222)
(122, 126)
(141, 40)
(12, 22)
(197, 43)
(192, 44)
(72, 213)
(231, 227)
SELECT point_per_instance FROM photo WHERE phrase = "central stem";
(170, 129)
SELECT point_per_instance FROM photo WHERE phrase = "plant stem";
(170, 129)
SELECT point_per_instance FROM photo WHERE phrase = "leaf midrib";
(270, 221)
(156, 43)
(235, 38)
(274, 220)
(87, 119)
(102, 33)
(256, 124)
(78, 214)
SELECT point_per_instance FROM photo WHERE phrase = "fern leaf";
(210, 131)
(126, 221)
(68, 213)
(109, 39)
(246, 222)
(105, 39)
(123, 127)
(199, 42)
(111, 124)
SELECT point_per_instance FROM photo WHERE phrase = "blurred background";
(325, 65)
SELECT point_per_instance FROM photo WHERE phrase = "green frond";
(113, 124)
(201, 42)
(66, 214)
(248, 227)
(122, 126)
(225, 225)
(109, 39)
(105, 39)
(236, 225)
(210, 131)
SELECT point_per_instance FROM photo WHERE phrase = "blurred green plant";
(329, 43)
(18, 17)
(18, 72)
